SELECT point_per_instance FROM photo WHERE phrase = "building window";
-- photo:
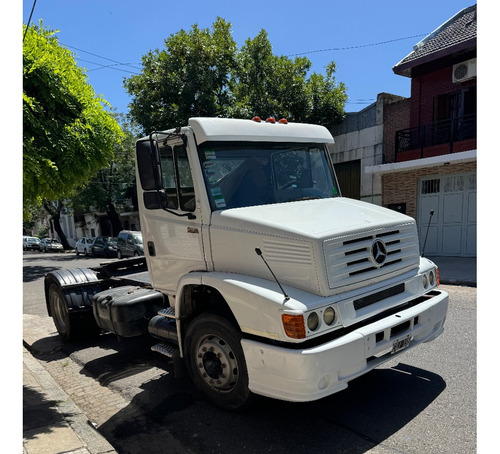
(455, 105)
(430, 186)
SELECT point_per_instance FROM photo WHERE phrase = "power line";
(134, 66)
(360, 46)
(101, 66)
(29, 20)
(104, 58)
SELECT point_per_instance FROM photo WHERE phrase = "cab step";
(168, 312)
(168, 350)
(172, 351)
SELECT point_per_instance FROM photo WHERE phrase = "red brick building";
(429, 143)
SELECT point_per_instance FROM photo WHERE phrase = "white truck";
(258, 276)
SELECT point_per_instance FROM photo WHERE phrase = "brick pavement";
(101, 410)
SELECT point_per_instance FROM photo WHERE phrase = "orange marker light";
(294, 326)
(283, 121)
(257, 119)
(270, 120)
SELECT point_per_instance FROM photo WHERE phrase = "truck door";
(171, 221)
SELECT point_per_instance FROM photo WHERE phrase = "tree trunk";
(54, 209)
(114, 218)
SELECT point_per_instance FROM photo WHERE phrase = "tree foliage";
(202, 73)
(112, 189)
(68, 134)
(188, 78)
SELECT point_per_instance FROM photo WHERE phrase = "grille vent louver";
(349, 259)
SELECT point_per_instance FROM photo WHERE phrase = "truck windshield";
(240, 174)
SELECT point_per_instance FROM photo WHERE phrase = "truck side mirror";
(148, 163)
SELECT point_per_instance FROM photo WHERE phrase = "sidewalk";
(52, 423)
(457, 270)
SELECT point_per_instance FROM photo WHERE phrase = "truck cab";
(244, 220)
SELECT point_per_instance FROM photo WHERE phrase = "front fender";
(257, 304)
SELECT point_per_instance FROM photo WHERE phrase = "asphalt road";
(425, 401)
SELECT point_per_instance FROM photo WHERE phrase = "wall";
(396, 117)
(425, 88)
(364, 136)
(403, 186)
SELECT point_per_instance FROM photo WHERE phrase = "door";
(349, 178)
(170, 218)
(451, 231)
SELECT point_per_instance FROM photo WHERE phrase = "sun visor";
(229, 129)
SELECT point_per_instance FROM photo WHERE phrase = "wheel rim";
(216, 363)
(58, 311)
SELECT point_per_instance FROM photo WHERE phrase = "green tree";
(188, 78)
(202, 73)
(67, 132)
(112, 189)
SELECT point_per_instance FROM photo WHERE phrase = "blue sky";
(103, 33)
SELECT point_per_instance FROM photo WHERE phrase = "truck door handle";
(151, 249)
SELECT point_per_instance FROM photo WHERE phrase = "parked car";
(130, 244)
(104, 246)
(50, 245)
(84, 246)
(30, 243)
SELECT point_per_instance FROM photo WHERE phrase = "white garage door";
(452, 229)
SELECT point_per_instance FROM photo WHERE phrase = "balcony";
(435, 139)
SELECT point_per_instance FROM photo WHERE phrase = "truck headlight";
(312, 321)
(425, 281)
(329, 316)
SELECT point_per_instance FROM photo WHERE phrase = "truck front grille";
(349, 259)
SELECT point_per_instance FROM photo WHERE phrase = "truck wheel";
(216, 362)
(59, 311)
(71, 308)
(71, 326)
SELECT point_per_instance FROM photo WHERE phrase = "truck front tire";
(216, 362)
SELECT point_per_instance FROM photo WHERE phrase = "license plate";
(400, 344)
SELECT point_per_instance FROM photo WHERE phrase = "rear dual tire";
(70, 325)
(71, 307)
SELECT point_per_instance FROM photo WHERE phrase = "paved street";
(423, 402)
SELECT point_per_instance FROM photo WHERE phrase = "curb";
(68, 428)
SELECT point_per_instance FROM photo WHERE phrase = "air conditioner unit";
(464, 71)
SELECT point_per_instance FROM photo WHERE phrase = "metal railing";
(437, 133)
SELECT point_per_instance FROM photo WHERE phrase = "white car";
(84, 246)
(30, 243)
(50, 245)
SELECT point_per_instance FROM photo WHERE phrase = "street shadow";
(40, 415)
(54, 348)
(374, 407)
(33, 273)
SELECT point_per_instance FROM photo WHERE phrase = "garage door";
(452, 228)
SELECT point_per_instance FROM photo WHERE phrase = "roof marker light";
(283, 121)
(257, 119)
(270, 120)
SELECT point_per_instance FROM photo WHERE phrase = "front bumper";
(302, 375)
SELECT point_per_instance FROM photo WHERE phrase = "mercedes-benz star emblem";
(379, 252)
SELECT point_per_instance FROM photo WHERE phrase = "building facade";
(426, 156)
